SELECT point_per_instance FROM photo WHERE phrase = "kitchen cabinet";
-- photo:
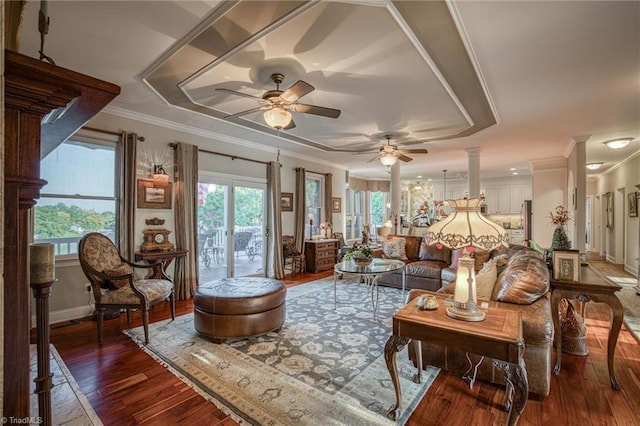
(506, 199)
(320, 255)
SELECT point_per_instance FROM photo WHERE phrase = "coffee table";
(498, 337)
(369, 274)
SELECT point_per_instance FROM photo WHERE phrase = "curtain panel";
(300, 216)
(186, 274)
(127, 185)
(273, 257)
(328, 195)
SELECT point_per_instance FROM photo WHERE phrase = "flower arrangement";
(430, 211)
(559, 217)
(359, 252)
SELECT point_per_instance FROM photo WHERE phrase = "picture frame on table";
(566, 265)
(286, 201)
(633, 204)
(152, 197)
(336, 205)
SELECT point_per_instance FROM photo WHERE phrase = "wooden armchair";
(107, 270)
(292, 256)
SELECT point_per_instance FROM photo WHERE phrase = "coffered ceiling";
(520, 80)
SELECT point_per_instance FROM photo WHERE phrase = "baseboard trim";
(68, 314)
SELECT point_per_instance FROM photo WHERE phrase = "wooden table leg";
(418, 353)
(517, 385)
(617, 312)
(394, 345)
(555, 303)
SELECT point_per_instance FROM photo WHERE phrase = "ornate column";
(396, 196)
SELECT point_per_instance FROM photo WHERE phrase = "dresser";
(321, 255)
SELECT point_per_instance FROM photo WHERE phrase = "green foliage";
(248, 208)
(359, 252)
(57, 221)
(560, 239)
(377, 208)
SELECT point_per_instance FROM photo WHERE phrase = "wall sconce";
(160, 177)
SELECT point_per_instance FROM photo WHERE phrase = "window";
(80, 194)
(313, 203)
(354, 202)
(377, 201)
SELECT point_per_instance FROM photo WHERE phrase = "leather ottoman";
(239, 307)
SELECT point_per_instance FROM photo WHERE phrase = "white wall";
(549, 190)
(68, 300)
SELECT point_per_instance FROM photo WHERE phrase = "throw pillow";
(115, 284)
(455, 256)
(479, 258)
(485, 280)
(524, 280)
(394, 249)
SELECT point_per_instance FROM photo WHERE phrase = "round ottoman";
(239, 307)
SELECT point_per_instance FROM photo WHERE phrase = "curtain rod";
(311, 171)
(108, 132)
(233, 157)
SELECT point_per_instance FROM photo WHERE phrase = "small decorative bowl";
(362, 261)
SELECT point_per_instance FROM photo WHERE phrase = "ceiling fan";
(278, 105)
(388, 154)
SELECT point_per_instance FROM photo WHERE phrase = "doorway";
(230, 228)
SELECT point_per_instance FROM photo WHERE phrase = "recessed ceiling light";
(595, 165)
(419, 176)
(429, 180)
(514, 173)
(512, 169)
(618, 143)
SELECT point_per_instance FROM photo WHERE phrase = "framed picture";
(286, 201)
(150, 197)
(609, 204)
(336, 204)
(633, 204)
(566, 265)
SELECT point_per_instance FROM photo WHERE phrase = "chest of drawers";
(320, 255)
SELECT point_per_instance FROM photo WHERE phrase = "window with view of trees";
(376, 210)
(80, 194)
(354, 202)
(313, 202)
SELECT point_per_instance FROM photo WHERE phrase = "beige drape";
(369, 185)
(300, 215)
(328, 202)
(273, 257)
(126, 181)
(186, 275)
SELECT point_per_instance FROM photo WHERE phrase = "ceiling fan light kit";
(618, 143)
(388, 159)
(277, 117)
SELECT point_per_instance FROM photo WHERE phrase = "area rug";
(630, 301)
(69, 406)
(326, 366)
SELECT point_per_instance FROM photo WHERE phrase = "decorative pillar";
(473, 175)
(396, 195)
(580, 195)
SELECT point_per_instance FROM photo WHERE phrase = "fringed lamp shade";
(466, 227)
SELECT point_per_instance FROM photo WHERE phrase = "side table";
(163, 257)
(592, 287)
(499, 337)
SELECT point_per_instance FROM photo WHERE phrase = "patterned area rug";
(326, 366)
(630, 301)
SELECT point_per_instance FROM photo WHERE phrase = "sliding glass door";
(231, 226)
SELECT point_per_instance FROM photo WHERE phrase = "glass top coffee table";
(369, 275)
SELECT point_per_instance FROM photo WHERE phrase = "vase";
(366, 261)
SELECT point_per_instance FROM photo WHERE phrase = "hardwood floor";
(126, 387)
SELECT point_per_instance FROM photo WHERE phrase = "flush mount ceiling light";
(417, 186)
(594, 165)
(618, 143)
(277, 117)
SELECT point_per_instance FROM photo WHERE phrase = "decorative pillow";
(485, 280)
(479, 258)
(455, 256)
(394, 249)
(114, 284)
(432, 252)
(524, 280)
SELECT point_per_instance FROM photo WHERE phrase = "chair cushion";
(394, 248)
(115, 284)
(152, 290)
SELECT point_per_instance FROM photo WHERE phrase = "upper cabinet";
(506, 199)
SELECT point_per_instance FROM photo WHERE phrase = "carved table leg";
(555, 303)
(394, 345)
(614, 331)
(516, 378)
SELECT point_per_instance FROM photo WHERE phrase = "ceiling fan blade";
(404, 158)
(317, 110)
(249, 111)
(416, 151)
(233, 92)
(289, 126)
(296, 91)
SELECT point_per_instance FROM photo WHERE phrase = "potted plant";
(361, 255)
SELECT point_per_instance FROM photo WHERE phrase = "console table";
(499, 337)
(163, 257)
(320, 255)
(592, 287)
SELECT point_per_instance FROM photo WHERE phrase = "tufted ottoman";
(239, 307)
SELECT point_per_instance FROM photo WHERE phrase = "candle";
(42, 267)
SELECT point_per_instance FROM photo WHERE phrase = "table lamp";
(466, 228)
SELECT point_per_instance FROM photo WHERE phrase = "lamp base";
(465, 312)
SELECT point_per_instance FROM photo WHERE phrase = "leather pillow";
(114, 284)
(524, 280)
(394, 248)
(432, 252)
(479, 258)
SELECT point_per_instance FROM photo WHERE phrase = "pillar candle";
(42, 267)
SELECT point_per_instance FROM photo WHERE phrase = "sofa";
(522, 285)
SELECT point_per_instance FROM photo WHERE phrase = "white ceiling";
(517, 79)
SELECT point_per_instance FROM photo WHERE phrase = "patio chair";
(241, 242)
(114, 283)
